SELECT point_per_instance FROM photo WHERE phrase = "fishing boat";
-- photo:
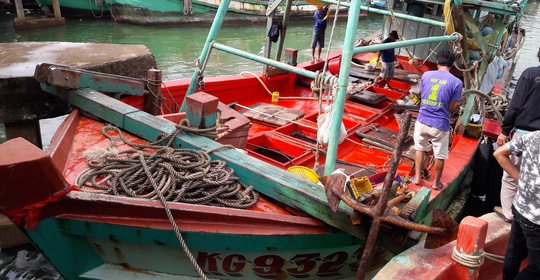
(171, 12)
(477, 253)
(242, 177)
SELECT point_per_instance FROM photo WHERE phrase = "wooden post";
(56, 8)
(471, 240)
(20, 10)
(201, 110)
(152, 104)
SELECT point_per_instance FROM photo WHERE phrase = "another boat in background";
(78, 8)
(204, 11)
(170, 12)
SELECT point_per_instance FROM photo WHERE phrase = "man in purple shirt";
(441, 94)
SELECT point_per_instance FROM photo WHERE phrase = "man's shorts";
(387, 70)
(318, 39)
(439, 138)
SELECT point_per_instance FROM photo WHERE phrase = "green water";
(176, 48)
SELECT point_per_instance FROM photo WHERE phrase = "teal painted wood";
(75, 4)
(343, 81)
(421, 198)
(405, 43)
(79, 246)
(70, 256)
(164, 7)
(208, 120)
(212, 35)
(446, 196)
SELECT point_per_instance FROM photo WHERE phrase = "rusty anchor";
(442, 231)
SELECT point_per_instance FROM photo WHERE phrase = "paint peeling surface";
(420, 263)
(20, 59)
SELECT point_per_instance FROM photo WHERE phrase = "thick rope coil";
(168, 174)
(479, 93)
(184, 175)
(471, 261)
(474, 261)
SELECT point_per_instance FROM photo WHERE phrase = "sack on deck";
(323, 134)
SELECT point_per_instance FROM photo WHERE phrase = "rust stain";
(99, 249)
(118, 253)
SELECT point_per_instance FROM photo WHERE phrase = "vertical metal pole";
(212, 34)
(343, 81)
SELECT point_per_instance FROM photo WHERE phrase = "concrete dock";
(23, 103)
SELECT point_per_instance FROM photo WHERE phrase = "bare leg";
(438, 168)
(418, 165)
(319, 53)
(312, 54)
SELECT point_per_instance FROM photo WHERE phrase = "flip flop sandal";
(439, 187)
(413, 181)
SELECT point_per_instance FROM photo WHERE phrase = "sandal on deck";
(414, 181)
(439, 187)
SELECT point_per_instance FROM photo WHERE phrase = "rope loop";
(316, 84)
(459, 37)
(471, 261)
(474, 261)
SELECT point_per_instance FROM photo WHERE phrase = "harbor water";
(176, 49)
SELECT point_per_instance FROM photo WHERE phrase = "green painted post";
(212, 34)
(343, 81)
(271, 62)
(407, 43)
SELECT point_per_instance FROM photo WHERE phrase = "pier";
(24, 22)
(23, 103)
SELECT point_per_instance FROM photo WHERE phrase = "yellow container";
(358, 186)
(473, 130)
(304, 172)
(275, 96)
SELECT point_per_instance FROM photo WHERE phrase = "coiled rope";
(474, 261)
(495, 107)
(168, 174)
